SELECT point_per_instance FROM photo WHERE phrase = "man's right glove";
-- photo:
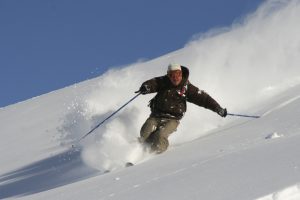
(144, 89)
(222, 112)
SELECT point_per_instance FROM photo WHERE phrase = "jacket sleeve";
(154, 84)
(201, 98)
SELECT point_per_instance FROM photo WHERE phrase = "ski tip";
(129, 164)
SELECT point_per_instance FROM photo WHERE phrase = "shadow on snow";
(58, 170)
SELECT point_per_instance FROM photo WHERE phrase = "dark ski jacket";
(170, 101)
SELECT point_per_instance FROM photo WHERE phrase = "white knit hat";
(173, 67)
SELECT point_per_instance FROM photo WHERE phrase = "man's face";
(175, 77)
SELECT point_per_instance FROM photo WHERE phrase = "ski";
(129, 164)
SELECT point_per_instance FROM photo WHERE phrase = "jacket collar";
(185, 75)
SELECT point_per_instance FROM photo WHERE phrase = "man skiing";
(169, 105)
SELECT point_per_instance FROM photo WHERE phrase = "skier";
(169, 105)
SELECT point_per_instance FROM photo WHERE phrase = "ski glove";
(144, 89)
(222, 112)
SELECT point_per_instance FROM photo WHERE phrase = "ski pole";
(102, 122)
(239, 115)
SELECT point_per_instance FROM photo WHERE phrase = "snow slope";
(251, 67)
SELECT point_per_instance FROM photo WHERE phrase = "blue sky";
(49, 44)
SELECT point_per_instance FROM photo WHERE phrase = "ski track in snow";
(281, 105)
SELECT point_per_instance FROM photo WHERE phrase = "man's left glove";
(222, 112)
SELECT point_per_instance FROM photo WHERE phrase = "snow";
(290, 193)
(274, 136)
(250, 68)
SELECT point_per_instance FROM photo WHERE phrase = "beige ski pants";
(155, 133)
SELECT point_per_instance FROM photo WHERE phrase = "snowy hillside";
(251, 67)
